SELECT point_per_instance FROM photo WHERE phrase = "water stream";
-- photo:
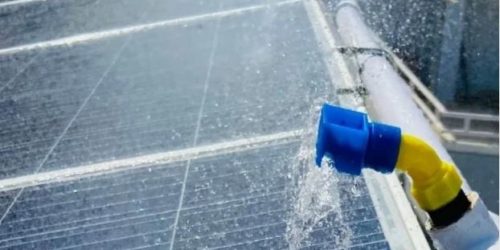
(316, 196)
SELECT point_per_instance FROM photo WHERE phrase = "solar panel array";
(221, 71)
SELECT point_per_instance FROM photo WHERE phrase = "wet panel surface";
(46, 20)
(240, 200)
(122, 210)
(176, 87)
(39, 104)
(267, 71)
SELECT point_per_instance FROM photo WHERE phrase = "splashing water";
(315, 198)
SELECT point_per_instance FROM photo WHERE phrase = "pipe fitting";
(434, 182)
(353, 143)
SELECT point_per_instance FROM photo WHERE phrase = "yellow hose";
(435, 182)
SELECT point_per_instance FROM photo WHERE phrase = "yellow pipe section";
(435, 182)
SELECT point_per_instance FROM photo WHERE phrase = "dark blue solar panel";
(248, 74)
(240, 200)
(115, 210)
(38, 104)
(45, 20)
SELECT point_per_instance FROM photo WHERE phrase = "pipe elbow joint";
(353, 142)
(434, 182)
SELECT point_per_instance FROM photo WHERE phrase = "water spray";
(353, 142)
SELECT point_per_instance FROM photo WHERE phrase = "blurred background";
(452, 46)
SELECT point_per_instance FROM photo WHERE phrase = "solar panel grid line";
(46, 238)
(94, 36)
(144, 128)
(142, 90)
(32, 106)
(109, 196)
(363, 212)
(99, 153)
(352, 239)
(35, 57)
(266, 212)
(198, 125)
(235, 219)
(263, 190)
(126, 219)
(41, 224)
(13, 3)
(127, 214)
(38, 93)
(18, 73)
(149, 198)
(200, 186)
(232, 246)
(22, 146)
(31, 95)
(139, 126)
(363, 239)
(143, 161)
(102, 181)
(365, 245)
(88, 191)
(239, 230)
(96, 131)
(220, 216)
(47, 206)
(89, 244)
(152, 72)
(347, 223)
(350, 223)
(223, 209)
(222, 196)
(90, 227)
(84, 232)
(94, 188)
(58, 139)
(201, 189)
(108, 116)
(30, 101)
(71, 211)
(196, 209)
(11, 65)
(155, 246)
(96, 207)
(80, 191)
(85, 101)
(240, 235)
(56, 215)
(201, 170)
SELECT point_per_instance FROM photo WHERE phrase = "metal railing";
(473, 129)
(464, 131)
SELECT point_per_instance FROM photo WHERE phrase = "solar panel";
(243, 80)
(239, 200)
(54, 19)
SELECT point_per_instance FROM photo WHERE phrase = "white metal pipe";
(389, 95)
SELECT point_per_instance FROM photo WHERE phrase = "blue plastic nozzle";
(353, 142)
